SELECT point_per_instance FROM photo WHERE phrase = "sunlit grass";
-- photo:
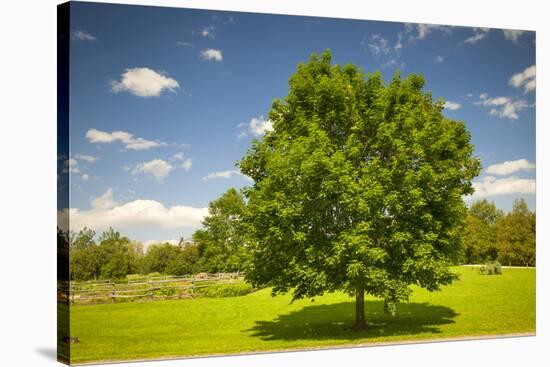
(475, 305)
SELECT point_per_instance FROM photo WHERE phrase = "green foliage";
(479, 238)
(358, 187)
(491, 268)
(159, 256)
(113, 258)
(225, 290)
(516, 236)
(221, 244)
(165, 292)
(490, 234)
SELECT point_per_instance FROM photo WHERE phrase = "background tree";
(221, 245)
(479, 240)
(358, 187)
(159, 256)
(185, 262)
(84, 257)
(118, 256)
(516, 236)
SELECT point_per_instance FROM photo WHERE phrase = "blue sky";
(164, 101)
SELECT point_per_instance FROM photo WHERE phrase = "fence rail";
(152, 288)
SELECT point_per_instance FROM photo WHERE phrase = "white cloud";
(479, 34)
(452, 105)
(87, 158)
(105, 213)
(184, 44)
(71, 165)
(439, 59)
(212, 54)
(129, 141)
(398, 45)
(104, 201)
(207, 31)
(525, 79)
(82, 36)
(257, 126)
(492, 186)
(157, 168)
(85, 177)
(512, 34)
(186, 163)
(377, 45)
(225, 175)
(421, 31)
(144, 82)
(503, 107)
(509, 167)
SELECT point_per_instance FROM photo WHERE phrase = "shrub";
(225, 290)
(491, 268)
(165, 292)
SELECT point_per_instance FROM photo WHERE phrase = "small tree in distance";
(358, 188)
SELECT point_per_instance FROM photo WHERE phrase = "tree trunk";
(360, 323)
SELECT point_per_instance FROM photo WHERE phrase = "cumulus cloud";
(503, 107)
(257, 126)
(509, 167)
(106, 212)
(104, 201)
(512, 34)
(492, 186)
(439, 59)
(85, 177)
(224, 175)
(525, 79)
(452, 105)
(144, 82)
(157, 168)
(479, 34)
(212, 54)
(185, 163)
(130, 142)
(82, 36)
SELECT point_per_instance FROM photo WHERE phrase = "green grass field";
(474, 306)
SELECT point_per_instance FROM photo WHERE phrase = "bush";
(491, 268)
(165, 292)
(225, 290)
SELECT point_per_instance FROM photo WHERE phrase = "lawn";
(477, 305)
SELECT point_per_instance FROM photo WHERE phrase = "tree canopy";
(221, 245)
(358, 187)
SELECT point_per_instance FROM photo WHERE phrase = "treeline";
(490, 234)
(219, 247)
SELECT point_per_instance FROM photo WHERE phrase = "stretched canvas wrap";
(235, 182)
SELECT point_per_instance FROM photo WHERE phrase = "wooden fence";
(147, 288)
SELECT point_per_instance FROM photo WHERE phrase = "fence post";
(113, 293)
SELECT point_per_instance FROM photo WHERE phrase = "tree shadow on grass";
(334, 321)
